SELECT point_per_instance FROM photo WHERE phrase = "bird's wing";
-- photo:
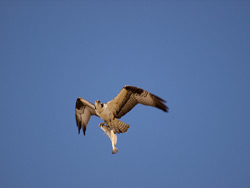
(130, 96)
(83, 110)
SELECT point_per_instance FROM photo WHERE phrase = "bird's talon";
(101, 124)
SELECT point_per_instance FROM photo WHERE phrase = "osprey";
(113, 110)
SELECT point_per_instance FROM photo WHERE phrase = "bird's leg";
(110, 123)
(112, 126)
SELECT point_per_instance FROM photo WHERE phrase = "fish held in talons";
(112, 136)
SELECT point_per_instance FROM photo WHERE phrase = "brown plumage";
(83, 112)
(130, 96)
(113, 110)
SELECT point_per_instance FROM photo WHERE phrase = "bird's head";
(98, 104)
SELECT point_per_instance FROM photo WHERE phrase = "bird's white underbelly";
(105, 114)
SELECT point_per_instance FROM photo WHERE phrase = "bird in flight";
(113, 110)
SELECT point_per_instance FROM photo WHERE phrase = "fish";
(112, 136)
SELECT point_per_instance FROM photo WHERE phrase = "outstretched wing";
(84, 110)
(130, 96)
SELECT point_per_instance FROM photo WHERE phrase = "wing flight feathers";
(130, 96)
(83, 111)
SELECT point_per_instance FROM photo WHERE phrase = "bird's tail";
(119, 127)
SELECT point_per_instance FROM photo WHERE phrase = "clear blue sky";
(195, 55)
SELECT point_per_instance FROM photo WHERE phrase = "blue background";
(195, 55)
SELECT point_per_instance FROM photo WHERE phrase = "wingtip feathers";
(159, 103)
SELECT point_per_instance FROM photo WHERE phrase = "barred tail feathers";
(119, 126)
